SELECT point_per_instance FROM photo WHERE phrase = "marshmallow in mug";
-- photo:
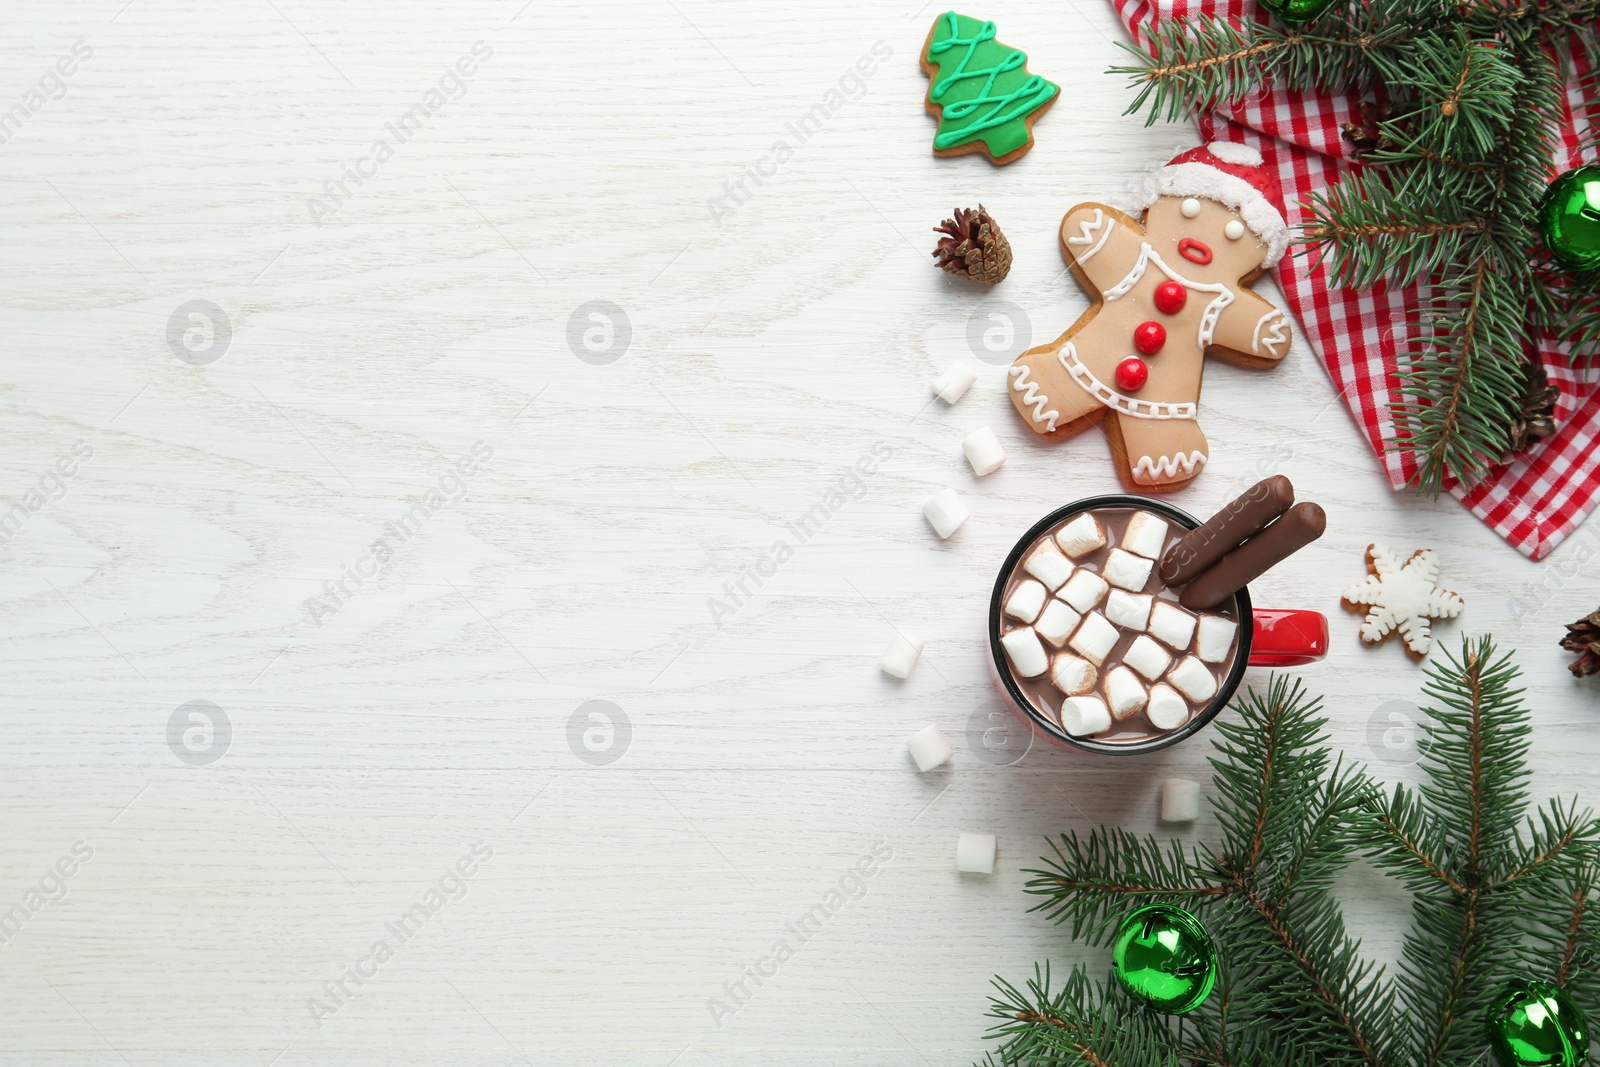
(1096, 638)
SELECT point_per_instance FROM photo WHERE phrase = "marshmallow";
(1082, 716)
(900, 656)
(1071, 675)
(1028, 657)
(928, 747)
(1056, 623)
(1026, 600)
(1047, 564)
(1127, 570)
(1084, 590)
(1180, 800)
(1147, 657)
(945, 512)
(1124, 693)
(1128, 610)
(975, 853)
(1172, 624)
(953, 382)
(1146, 535)
(1166, 710)
(1081, 536)
(983, 451)
(1094, 638)
(1215, 639)
(1193, 679)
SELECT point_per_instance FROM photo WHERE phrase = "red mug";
(1277, 637)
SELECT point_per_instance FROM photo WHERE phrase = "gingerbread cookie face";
(981, 91)
(1169, 289)
(1211, 245)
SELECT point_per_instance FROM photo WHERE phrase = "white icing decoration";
(1239, 155)
(1190, 207)
(1274, 336)
(1033, 396)
(1139, 409)
(1208, 320)
(1403, 598)
(1234, 229)
(1149, 471)
(1087, 228)
(1086, 234)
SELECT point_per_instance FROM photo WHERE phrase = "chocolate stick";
(1299, 526)
(1227, 529)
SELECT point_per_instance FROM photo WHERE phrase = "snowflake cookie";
(1401, 597)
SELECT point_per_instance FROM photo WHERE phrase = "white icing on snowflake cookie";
(1401, 598)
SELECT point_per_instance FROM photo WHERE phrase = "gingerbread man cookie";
(1167, 289)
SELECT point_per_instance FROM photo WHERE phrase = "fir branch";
(1079, 1024)
(1566, 306)
(1206, 62)
(1267, 772)
(1564, 933)
(1496, 893)
(1579, 968)
(1200, 65)
(1287, 820)
(1344, 991)
(1093, 881)
(1457, 925)
(1454, 842)
(1475, 764)
(1454, 93)
(1561, 842)
(1563, 23)
(1461, 378)
(1475, 92)
(1459, 374)
(1380, 233)
(1395, 156)
(1579, 897)
(1321, 848)
(1406, 844)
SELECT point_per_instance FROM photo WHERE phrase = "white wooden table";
(233, 460)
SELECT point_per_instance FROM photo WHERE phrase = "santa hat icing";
(1231, 174)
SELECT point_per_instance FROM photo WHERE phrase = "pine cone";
(973, 247)
(1583, 637)
(1535, 417)
(1365, 134)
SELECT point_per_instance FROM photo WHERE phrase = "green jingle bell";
(1164, 957)
(1297, 10)
(1569, 218)
(1535, 1024)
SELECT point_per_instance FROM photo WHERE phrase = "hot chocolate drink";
(1099, 643)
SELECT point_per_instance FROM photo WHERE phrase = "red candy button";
(1170, 298)
(1132, 374)
(1148, 337)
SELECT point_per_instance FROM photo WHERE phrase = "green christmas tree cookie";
(980, 90)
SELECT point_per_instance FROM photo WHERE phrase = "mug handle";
(1287, 637)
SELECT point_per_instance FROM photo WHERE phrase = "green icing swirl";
(982, 98)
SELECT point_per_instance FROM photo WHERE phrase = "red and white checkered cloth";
(1534, 503)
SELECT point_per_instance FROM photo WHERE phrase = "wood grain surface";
(397, 477)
